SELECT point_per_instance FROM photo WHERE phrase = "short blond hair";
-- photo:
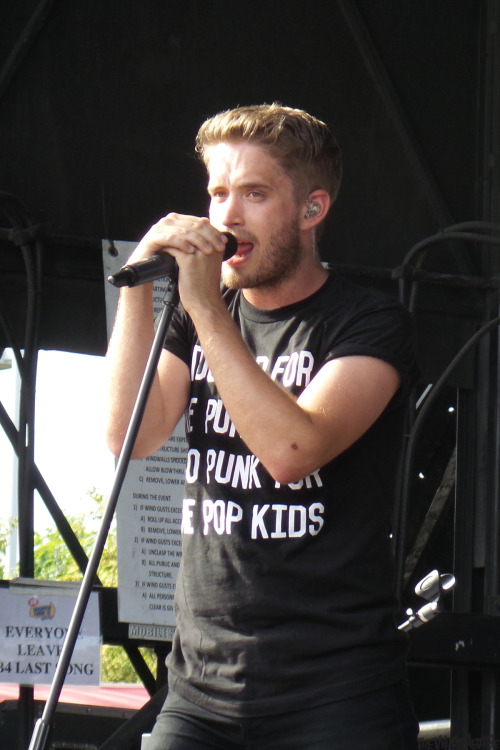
(305, 147)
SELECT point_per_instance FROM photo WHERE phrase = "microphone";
(158, 266)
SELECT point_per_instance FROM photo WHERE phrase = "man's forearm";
(266, 416)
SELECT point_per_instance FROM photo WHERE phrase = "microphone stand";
(44, 724)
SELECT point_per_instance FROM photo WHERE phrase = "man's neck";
(305, 282)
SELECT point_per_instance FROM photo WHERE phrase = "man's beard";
(279, 261)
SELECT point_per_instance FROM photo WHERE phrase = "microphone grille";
(231, 246)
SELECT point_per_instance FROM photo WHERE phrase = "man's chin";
(232, 279)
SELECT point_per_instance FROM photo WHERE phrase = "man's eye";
(255, 194)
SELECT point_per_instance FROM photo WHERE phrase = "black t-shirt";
(284, 597)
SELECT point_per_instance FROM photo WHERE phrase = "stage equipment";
(431, 588)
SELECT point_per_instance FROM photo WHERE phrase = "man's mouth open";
(241, 254)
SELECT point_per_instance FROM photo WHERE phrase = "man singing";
(294, 384)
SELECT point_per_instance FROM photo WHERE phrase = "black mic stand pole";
(44, 724)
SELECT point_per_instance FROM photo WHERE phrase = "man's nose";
(231, 211)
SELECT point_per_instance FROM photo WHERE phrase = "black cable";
(453, 232)
(468, 231)
(433, 393)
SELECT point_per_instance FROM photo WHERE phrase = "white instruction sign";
(149, 507)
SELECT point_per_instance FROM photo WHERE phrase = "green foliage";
(4, 535)
(116, 667)
(54, 562)
(52, 559)
(6, 527)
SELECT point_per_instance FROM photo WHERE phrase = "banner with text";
(34, 620)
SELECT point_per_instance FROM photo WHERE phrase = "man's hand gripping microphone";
(158, 266)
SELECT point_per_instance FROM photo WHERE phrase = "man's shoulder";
(342, 294)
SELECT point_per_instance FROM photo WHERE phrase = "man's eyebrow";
(254, 185)
(240, 186)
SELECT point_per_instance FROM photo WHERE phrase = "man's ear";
(316, 208)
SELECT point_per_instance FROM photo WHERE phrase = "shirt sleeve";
(386, 332)
(179, 337)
